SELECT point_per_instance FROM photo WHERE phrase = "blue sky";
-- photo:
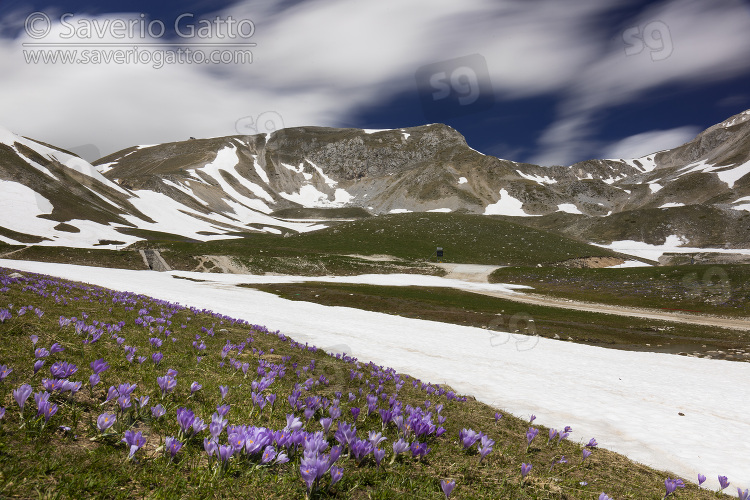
(542, 81)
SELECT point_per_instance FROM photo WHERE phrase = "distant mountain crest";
(219, 187)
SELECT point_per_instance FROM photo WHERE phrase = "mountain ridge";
(225, 186)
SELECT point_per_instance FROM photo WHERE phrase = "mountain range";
(299, 179)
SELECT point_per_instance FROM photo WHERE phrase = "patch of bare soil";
(590, 262)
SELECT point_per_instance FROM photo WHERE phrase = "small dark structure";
(439, 254)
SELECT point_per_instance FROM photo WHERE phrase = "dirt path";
(678, 317)
(479, 273)
(5, 255)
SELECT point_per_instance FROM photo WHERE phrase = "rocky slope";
(218, 187)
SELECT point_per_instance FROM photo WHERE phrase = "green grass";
(95, 257)
(410, 237)
(470, 309)
(714, 289)
(49, 462)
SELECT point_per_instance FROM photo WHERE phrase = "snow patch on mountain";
(671, 205)
(227, 160)
(259, 170)
(569, 208)
(734, 174)
(537, 178)
(644, 163)
(506, 205)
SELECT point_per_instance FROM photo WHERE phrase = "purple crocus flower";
(468, 437)
(701, 479)
(293, 423)
(166, 384)
(355, 412)
(62, 369)
(326, 424)
(2, 412)
(158, 411)
(223, 390)
(47, 410)
(399, 447)
(309, 471)
(378, 454)
(360, 449)
(105, 421)
(134, 440)
(41, 352)
(498, 416)
(743, 495)
(447, 487)
(723, 482)
(94, 379)
(185, 419)
(552, 434)
(210, 446)
(99, 366)
(604, 496)
(22, 394)
(532, 418)
(485, 447)
(530, 435)
(592, 443)
(195, 387)
(124, 402)
(199, 425)
(671, 485)
(376, 438)
(525, 469)
(269, 453)
(5, 371)
(336, 474)
(157, 357)
(586, 454)
(172, 445)
(225, 452)
(38, 364)
(56, 348)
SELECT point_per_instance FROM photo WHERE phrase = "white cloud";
(709, 41)
(319, 62)
(639, 145)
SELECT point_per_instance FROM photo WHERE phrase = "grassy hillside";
(470, 309)
(717, 289)
(414, 237)
(160, 360)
